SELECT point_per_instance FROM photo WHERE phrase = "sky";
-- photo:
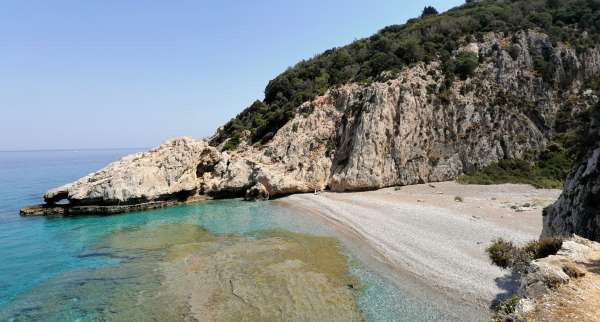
(127, 73)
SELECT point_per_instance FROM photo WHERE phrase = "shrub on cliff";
(465, 65)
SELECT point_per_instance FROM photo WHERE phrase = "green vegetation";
(465, 64)
(551, 167)
(500, 252)
(505, 254)
(429, 11)
(507, 306)
(549, 174)
(431, 37)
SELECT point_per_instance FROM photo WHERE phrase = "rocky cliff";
(577, 210)
(409, 129)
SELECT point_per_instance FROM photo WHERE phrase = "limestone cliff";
(577, 210)
(406, 130)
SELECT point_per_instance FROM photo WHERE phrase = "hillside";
(432, 37)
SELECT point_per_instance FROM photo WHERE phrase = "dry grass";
(578, 300)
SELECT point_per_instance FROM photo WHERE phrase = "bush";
(548, 172)
(466, 64)
(545, 247)
(429, 11)
(514, 51)
(507, 306)
(501, 252)
(505, 254)
(232, 143)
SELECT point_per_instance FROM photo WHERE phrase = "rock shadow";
(593, 266)
(509, 284)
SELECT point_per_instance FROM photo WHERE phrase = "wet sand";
(433, 236)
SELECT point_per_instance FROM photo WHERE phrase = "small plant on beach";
(459, 199)
(501, 252)
(507, 306)
(545, 247)
(506, 254)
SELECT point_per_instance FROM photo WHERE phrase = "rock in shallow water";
(277, 277)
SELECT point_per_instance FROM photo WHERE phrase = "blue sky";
(118, 73)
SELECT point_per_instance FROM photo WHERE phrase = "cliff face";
(409, 129)
(577, 210)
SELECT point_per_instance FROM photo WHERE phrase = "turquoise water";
(53, 269)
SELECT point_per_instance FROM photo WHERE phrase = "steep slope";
(429, 38)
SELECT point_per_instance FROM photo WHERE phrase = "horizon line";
(73, 149)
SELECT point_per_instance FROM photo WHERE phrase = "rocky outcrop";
(409, 129)
(164, 176)
(165, 172)
(577, 211)
(563, 287)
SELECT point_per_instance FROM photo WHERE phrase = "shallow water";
(137, 266)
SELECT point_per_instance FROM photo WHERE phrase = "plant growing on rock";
(465, 65)
(506, 254)
(505, 307)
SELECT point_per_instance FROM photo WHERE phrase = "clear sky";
(127, 73)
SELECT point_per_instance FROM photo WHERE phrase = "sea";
(112, 268)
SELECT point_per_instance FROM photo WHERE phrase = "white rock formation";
(161, 173)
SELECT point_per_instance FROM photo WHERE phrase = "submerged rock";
(277, 277)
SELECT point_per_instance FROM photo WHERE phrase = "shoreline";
(433, 236)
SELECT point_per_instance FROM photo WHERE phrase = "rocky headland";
(361, 137)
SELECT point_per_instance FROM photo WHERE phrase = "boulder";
(166, 172)
(257, 192)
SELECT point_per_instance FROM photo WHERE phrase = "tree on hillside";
(429, 11)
